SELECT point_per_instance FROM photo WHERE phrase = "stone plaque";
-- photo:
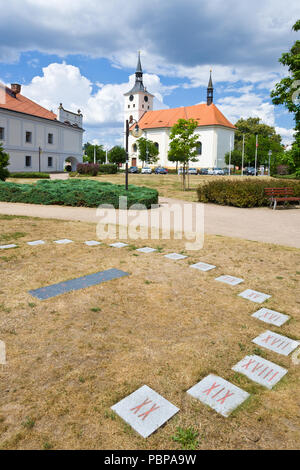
(92, 243)
(271, 316)
(5, 247)
(118, 245)
(175, 256)
(222, 396)
(146, 249)
(37, 242)
(277, 343)
(65, 241)
(231, 280)
(203, 266)
(254, 296)
(260, 370)
(145, 410)
(2, 353)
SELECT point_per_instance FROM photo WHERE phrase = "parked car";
(193, 171)
(146, 170)
(250, 171)
(210, 171)
(226, 171)
(160, 171)
(133, 169)
(203, 171)
(218, 171)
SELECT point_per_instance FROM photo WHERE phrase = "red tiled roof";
(22, 104)
(204, 114)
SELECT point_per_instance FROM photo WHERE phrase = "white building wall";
(67, 142)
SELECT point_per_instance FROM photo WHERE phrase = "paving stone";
(271, 316)
(222, 396)
(6, 247)
(254, 296)
(145, 410)
(203, 266)
(275, 342)
(175, 256)
(146, 249)
(2, 353)
(92, 243)
(76, 284)
(37, 242)
(119, 245)
(231, 280)
(260, 370)
(65, 241)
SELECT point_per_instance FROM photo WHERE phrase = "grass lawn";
(72, 357)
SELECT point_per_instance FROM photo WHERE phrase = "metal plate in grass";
(64, 241)
(271, 316)
(145, 410)
(254, 296)
(118, 245)
(35, 243)
(6, 247)
(222, 396)
(275, 342)
(260, 370)
(76, 284)
(231, 280)
(146, 249)
(203, 266)
(175, 256)
(92, 243)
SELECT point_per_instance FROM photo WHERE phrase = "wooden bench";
(281, 195)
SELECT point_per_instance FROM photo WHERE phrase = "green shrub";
(35, 175)
(108, 168)
(76, 192)
(4, 162)
(247, 192)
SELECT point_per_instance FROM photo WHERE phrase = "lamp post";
(270, 154)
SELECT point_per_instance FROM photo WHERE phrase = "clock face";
(146, 98)
(131, 97)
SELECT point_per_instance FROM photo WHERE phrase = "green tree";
(287, 91)
(4, 161)
(89, 153)
(148, 151)
(235, 158)
(117, 155)
(183, 144)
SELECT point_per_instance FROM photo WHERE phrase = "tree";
(235, 158)
(4, 161)
(89, 153)
(117, 155)
(148, 151)
(287, 91)
(183, 144)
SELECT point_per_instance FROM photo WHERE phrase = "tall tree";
(117, 155)
(183, 144)
(89, 150)
(4, 161)
(148, 151)
(287, 91)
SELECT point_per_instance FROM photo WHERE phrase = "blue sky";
(84, 53)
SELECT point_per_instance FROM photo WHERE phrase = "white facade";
(38, 144)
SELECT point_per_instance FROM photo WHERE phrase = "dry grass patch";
(70, 358)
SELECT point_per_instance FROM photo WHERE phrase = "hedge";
(87, 169)
(86, 193)
(248, 192)
(30, 175)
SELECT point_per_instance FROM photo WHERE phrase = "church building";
(216, 133)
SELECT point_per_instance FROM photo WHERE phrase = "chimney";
(15, 88)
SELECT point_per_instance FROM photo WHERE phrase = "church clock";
(131, 97)
(146, 98)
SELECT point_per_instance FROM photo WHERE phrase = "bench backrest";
(279, 191)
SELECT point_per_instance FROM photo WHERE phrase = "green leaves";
(148, 150)
(4, 161)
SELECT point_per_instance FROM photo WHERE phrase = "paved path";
(281, 226)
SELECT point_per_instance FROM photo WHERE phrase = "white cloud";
(247, 105)
(286, 134)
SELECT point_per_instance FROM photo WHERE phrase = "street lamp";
(270, 154)
(136, 132)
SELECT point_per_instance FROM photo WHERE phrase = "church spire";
(210, 91)
(138, 86)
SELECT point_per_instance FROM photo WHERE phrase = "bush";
(88, 169)
(76, 192)
(241, 193)
(30, 175)
(4, 161)
(108, 168)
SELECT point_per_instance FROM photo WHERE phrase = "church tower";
(138, 100)
(210, 91)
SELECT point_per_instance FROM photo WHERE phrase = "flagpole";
(243, 154)
(230, 157)
(256, 145)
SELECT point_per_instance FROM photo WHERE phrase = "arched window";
(134, 148)
(199, 148)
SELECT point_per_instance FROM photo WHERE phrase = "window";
(50, 138)
(134, 148)
(28, 160)
(199, 148)
(1, 133)
(28, 137)
(50, 161)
